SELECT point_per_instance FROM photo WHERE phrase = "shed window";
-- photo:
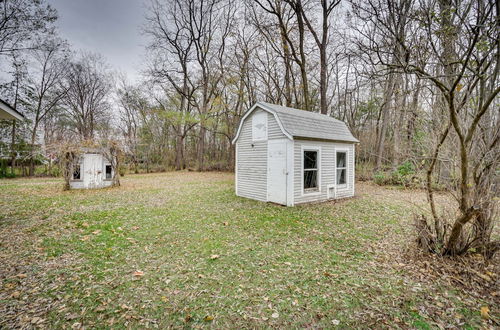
(341, 167)
(108, 172)
(310, 170)
(77, 172)
(259, 126)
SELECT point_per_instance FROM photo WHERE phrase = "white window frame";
(80, 163)
(105, 178)
(264, 115)
(346, 184)
(318, 150)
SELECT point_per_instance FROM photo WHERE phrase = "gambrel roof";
(296, 123)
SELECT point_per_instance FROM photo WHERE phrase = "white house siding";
(327, 170)
(251, 169)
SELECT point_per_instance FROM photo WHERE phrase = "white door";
(276, 171)
(93, 172)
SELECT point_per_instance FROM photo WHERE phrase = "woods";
(416, 81)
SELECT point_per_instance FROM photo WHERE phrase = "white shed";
(290, 156)
(91, 170)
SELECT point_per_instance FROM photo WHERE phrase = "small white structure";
(92, 170)
(289, 156)
(9, 113)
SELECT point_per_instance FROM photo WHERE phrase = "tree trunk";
(201, 148)
(389, 90)
(32, 151)
(179, 152)
(12, 148)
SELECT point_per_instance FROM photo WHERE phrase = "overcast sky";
(109, 27)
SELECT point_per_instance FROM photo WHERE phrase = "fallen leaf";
(22, 275)
(76, 325)
(485, 312)
(138, 273)
(99, 309)
(335, 322)
(214, 256)
(209, 318)
(275, 315)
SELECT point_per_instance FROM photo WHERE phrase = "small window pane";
(108, 172)
(76, 172)
(341, 159)
(341, 176)
(310, 179)
(310, 159)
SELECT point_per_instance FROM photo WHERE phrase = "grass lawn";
(181, 250)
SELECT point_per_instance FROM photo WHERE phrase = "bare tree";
(88, 86)
(50, 64)
(278, 10)
(327, 6)
(463, 44)
(21, 21)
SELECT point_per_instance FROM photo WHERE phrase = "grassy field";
(181, 250)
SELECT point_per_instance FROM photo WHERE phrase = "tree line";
(416, 81)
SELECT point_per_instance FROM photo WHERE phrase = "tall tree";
(327, 7)
(88, 87)
(49, 68)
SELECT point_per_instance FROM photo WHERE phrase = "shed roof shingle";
(306, 124)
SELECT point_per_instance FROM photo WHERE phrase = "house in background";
(9, 113)
(91, 170)
(290, 156)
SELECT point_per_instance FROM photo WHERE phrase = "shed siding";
(251, 166)
(90, 179)
(327, 170)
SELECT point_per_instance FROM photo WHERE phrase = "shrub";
(381, 178)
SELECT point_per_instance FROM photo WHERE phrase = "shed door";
(276, 171)
(92, 167)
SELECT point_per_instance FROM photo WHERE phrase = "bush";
(403, 175)
(381, 178)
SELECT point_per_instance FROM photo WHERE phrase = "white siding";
(327, 170)
(94, 176)
(251, 167)
(274, 130)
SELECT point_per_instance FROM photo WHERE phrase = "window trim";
(302, 191)
(263, 114)
(105, 178)
(81, 173)
(346, 184)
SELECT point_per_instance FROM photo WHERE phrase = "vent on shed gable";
(259, 126)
